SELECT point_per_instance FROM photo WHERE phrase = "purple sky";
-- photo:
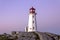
(14, 15)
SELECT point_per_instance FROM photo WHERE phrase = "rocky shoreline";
(30, 36)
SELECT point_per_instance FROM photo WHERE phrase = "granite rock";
(36, 36)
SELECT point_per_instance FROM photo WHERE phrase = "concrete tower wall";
(32, 22)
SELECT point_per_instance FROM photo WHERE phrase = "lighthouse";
(32, 25)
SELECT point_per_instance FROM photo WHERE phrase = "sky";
(14, 15)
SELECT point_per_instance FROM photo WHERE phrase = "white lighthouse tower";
(32, 26)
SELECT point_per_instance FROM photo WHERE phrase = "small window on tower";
(33, 16)
(33, 27)
(33, 21)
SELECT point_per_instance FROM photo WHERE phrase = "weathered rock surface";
(30, 36)
(37, 36)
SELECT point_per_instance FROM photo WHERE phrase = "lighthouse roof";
(32, 8)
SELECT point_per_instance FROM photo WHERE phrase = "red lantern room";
(32, 10)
